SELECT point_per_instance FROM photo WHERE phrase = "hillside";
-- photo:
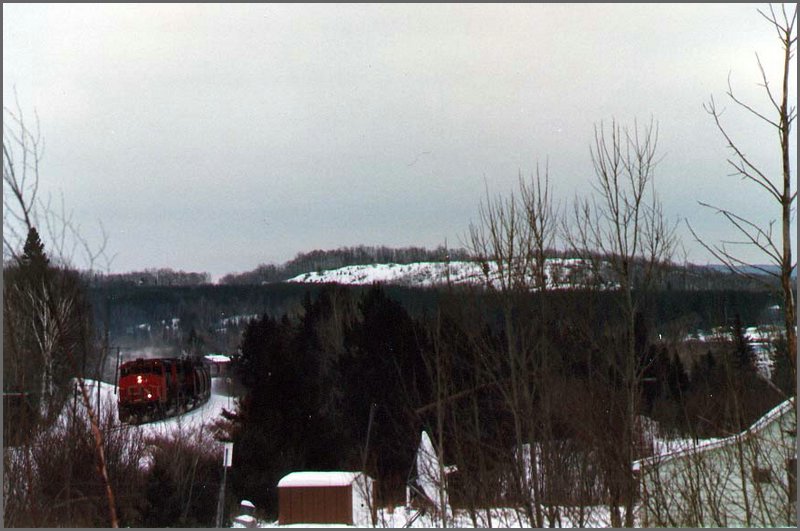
(420, 274)
(560, 273)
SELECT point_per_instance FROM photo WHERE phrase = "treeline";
(163, 276)
(204, 307)
(214, 316)
(142, 316)
(469, 374)
(677, 276)
(319, 260)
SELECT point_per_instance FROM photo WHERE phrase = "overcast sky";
(218, 137)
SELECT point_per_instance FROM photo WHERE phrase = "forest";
(311, 382)
(140, 316)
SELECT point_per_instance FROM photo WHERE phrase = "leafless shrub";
(52, 482)
(182, 479)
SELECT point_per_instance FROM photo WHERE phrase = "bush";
(182, 481)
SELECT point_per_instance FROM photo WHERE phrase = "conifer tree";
(33, 254)
(743, 350)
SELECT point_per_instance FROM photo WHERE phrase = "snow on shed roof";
(318, 479)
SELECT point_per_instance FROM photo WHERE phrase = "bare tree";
(624, 236)
(776, 246)
(47, 482)
(512, 242)
(53, 314)
(24, 208)
(514, 235)
(23, 149)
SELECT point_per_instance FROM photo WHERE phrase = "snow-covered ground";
(561, 272)
(421, 274)
(399, 517)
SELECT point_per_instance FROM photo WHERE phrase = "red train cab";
(155, 388)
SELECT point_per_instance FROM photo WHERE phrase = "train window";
(140, 368)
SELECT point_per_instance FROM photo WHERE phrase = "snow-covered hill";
(560, 273)
(420, 274)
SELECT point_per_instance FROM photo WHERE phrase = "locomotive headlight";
(139, 379)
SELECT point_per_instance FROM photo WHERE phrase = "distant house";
(219, 364)
(746, 480)
(326, 498)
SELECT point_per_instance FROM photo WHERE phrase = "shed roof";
(318, 479)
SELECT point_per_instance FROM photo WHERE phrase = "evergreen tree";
(782, 375)
(33, 255)
(384, 366)
(743, 350)
(677, 379)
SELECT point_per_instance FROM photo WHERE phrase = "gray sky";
(217, 137)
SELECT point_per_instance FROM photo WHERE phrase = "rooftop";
(318, 479)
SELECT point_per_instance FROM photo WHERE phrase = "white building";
(746, 480)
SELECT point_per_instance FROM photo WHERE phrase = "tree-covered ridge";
(163, 276)
(678, 276)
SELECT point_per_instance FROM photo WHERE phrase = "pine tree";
(743, 350)
(782, 375)
(33, 254)
(677, 379)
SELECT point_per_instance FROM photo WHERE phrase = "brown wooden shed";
(325, 498)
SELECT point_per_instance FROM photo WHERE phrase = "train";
(151, 389)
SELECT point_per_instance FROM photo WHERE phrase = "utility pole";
(369, 429)
(227, 461)
(116, 374)
(104, 355)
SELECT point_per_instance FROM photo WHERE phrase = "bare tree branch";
(777, 248)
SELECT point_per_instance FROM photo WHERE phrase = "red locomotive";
(163, 387)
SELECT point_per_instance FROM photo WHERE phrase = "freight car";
(150, 389)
